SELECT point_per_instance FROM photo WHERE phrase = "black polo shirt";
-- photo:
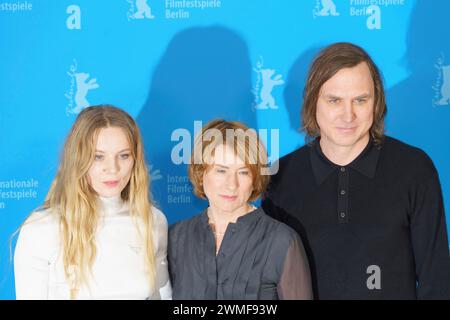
(373, 229)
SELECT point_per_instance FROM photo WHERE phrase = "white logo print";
(154, 174)
(374, 20)
(263, 93)
(325, 8)
(73, 22)
(80, 84)
(374, 281)
(441, 86)
(139, 9)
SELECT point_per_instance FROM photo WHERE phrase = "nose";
(348, 114)
(232, 182)
(111, 165)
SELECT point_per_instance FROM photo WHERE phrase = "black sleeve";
(429, 239)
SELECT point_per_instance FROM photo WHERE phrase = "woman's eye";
(360, 101)
(124, 156)
(333, 101)
(244, 173)
(98, 157)
(220, 170)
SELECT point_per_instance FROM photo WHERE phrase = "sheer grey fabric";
(259, 258)
(295, 280)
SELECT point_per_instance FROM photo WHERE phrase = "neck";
(343, 155)
(111, 204)
(221, 218)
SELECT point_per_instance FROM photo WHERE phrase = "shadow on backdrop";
(293, 91)
(205, 73)
(419, 106)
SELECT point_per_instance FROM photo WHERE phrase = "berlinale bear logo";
(441, 86)
(79, 88)
(139, 9)
(265, 83)
(328, 7)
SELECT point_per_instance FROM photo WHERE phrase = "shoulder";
(410, 158)
(39, 231)
(299, 155)
(290, 166)
(397, 147)
(159, 219)
(40, 221)
(282, 234)
(187, 223)
(181, 227)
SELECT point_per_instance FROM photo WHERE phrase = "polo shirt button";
(342, 215)
(342, 192)
(342, 169)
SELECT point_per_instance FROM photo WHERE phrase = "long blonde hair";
(72, 198)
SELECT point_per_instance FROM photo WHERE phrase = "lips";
(111, 184)
(229, 198)
(344, 129)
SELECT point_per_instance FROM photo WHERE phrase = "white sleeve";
(162, 271)
(31, 263)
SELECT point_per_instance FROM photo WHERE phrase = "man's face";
(345, 108)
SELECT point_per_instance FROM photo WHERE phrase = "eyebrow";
(364, 95)
(222, 166)
(332, 96)
(101, 151)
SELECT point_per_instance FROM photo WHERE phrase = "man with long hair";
(368, 207)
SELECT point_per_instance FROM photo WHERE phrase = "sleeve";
(429, 240)
(171, 253)
(164, 288)
(295, 279)
(31, 265)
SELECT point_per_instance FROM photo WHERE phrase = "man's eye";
(333, 101)
(360, 101)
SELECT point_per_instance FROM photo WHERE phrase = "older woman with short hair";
(233, 250)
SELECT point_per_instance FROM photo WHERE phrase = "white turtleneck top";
(119, 270)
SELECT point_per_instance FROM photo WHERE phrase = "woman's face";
(113, 163)
(228, 183)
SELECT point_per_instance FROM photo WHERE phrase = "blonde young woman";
(98, 236)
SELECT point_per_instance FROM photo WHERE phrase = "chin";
(108, 194)
(346, 140)
(226, 208)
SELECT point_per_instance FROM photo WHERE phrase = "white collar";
(112, 205)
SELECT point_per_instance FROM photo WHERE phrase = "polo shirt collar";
(365, 163)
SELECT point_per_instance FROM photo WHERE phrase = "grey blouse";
(259, 258)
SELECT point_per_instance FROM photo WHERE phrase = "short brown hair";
(327, 63)
(246, 145)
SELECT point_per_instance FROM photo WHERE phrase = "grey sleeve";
(171, 252)
(295, 279)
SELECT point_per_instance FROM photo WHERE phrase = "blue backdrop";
(170, 63)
